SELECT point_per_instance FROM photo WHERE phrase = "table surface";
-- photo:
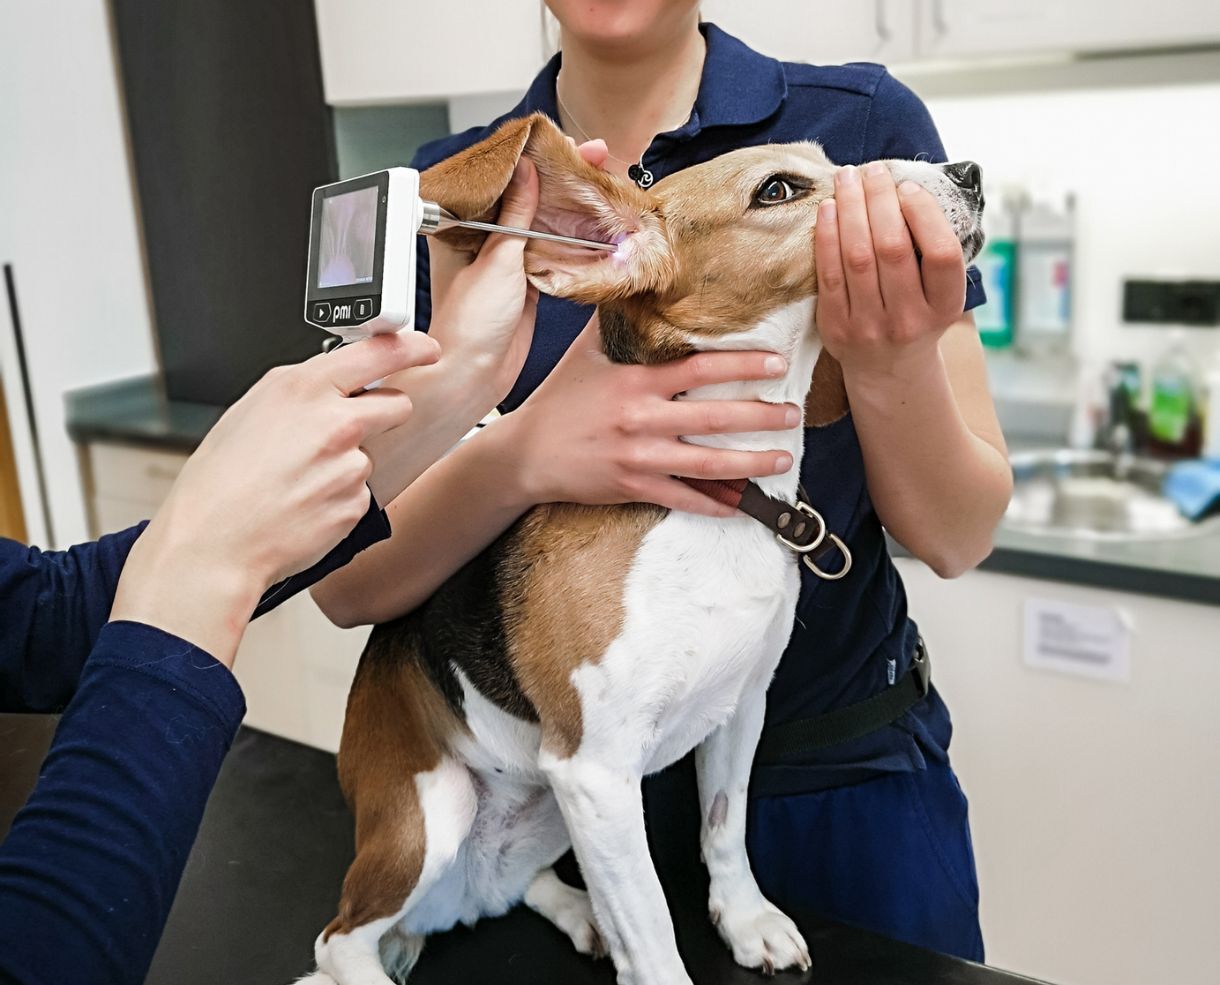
(264, 878)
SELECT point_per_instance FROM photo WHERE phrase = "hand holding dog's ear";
(486, 317)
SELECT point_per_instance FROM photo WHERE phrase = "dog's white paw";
(574, 916)
(761, 936)
(569, 909)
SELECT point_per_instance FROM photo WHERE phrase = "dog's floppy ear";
(575, 199)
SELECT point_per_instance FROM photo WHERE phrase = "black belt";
(780, 742)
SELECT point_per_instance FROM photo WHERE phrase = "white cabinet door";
(395, 51)
(966, 28)
(805, 31)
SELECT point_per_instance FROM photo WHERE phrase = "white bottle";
(1211, 401)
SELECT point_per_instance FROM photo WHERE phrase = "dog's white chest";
(701, 609)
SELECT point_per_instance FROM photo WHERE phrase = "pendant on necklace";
(640, 174)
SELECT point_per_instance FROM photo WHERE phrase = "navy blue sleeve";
(900, 126)
(91, 864)
(54, 604)
(52, 607)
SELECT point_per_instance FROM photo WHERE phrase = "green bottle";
(1172, 407)
(997, 265)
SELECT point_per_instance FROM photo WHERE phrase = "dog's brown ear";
(575, 199)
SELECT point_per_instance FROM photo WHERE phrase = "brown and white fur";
(516, 712)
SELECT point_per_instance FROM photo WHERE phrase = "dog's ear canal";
(575, 199)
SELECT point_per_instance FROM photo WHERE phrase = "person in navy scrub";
(132, 637)
(868, 824)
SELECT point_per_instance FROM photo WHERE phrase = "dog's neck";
(787, 330)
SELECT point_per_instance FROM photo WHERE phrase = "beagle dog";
(515, 713)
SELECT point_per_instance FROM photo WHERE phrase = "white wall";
(67, 224)
(1094, 805)
(1139, 159)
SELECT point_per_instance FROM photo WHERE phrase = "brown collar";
(799, 527)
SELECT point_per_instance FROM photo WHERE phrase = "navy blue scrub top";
(853, 637)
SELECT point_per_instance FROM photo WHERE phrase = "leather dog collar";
(799, 527)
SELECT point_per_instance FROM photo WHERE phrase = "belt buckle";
(921, 664)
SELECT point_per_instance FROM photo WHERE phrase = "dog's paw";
(762, 937)
(569, 909)
(574, 916)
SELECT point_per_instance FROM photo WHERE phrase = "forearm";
(448, 399)
(939, 488)
(443, 520)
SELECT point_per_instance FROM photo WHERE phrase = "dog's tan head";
(707, 251)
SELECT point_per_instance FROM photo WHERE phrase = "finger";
(378, 411)
(856, 244)
(708, 368)
(673, 494)
(595, 152)
(897, 269)
(698, 462)
(943, 266)
(833, 307)
(517, 208)
(685, 417)
(353, 367)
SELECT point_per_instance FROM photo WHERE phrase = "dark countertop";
(136, 412)
(264, 878)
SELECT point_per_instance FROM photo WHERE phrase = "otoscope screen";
(348, 238)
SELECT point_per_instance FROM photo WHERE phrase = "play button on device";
(361, 276)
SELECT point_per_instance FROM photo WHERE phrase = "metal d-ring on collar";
(807, 552)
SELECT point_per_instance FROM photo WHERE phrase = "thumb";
(520, 199)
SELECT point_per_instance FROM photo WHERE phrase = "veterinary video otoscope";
(362, 251)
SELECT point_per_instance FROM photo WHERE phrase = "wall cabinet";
(797, 30)
(972, 28)
(381, 51)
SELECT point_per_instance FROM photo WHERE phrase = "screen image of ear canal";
(348, 238)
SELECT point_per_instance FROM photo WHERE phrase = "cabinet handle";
(885, 33)
(939, 21)
(160, 472)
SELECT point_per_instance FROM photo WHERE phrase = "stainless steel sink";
(1095, 494)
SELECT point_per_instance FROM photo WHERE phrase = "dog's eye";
(773, 191)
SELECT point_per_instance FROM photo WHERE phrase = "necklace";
(636, 172)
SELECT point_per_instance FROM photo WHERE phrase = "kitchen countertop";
(136, 412)
(264, 878)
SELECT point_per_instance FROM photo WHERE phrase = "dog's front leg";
(604, 811)
(759, 934)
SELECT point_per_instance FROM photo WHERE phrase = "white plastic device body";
(380, 296)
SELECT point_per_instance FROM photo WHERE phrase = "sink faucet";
(1118, 433)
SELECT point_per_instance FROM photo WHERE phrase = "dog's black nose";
(966, 175)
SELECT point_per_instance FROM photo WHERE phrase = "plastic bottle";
(997, 264)
(1173, 409)
(1211, 396)
(1046, 245)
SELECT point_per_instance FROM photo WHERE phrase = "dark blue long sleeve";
(52, 607)
(91, 864)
